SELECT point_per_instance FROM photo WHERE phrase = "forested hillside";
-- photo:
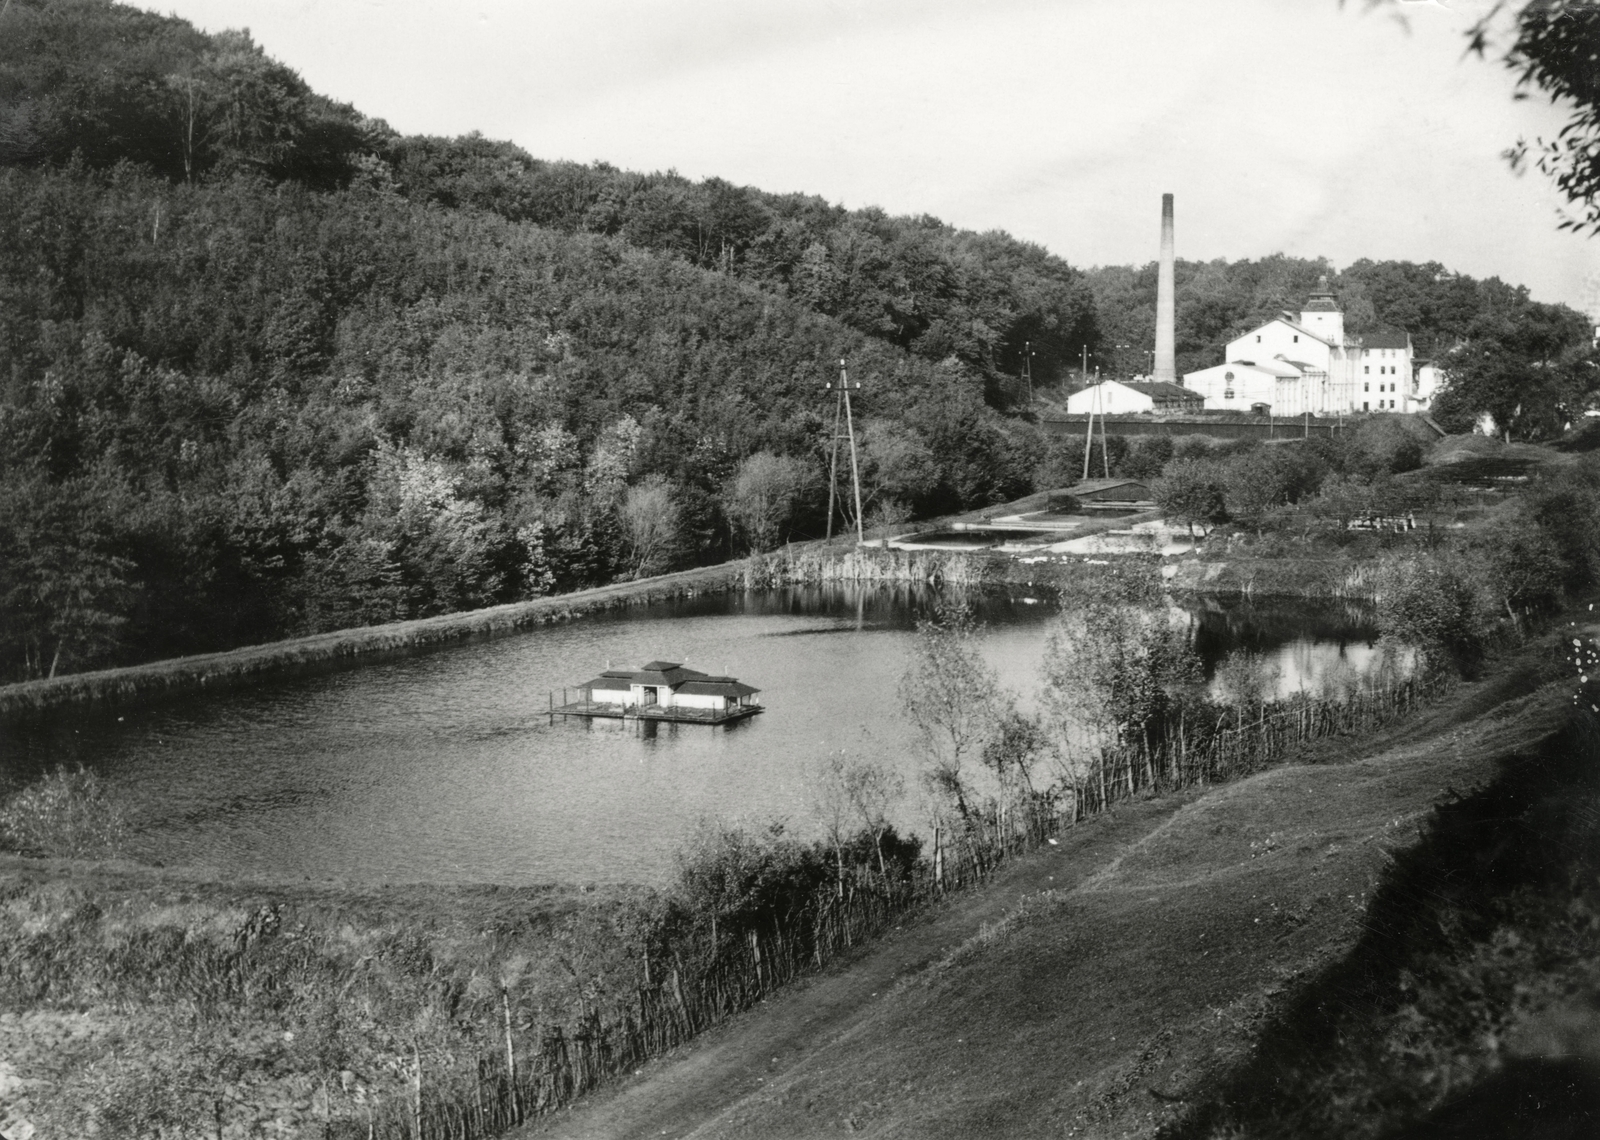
(250, 388)
(268, 367)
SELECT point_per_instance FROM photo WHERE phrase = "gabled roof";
(669, 673)
(666, 673)
(1300, 328)
(1275, 368)
(717, 687)
(608, 682)
(1161, 389)
(1286, 319)
(1386, 340)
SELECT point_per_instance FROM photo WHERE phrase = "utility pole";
(841, 411)
(1105, 452)
(1094, 402)
(1027, 368)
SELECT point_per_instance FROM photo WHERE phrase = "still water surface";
(445, 766)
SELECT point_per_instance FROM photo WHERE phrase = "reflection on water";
(446, 766)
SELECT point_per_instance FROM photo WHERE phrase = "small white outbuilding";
(1122, 397)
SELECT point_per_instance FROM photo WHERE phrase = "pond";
(446, 767)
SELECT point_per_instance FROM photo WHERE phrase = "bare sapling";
(830, 804)
(951, 697)
(874, 790)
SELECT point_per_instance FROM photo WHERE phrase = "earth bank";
(1113, 985)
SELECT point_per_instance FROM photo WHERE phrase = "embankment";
(808, 564)
(1281, 577)
(811, 563)
(1112, 983)
(1470, 1006)
(210, 671)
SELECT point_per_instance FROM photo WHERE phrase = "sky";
(1306, 127)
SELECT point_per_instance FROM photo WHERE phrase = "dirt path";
(737, 1058)
(1092, 987)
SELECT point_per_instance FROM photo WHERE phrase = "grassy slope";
(1146, 953)
(121, 998)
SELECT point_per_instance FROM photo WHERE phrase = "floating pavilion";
(663, 690)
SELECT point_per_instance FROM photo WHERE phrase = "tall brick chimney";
(1166, 367)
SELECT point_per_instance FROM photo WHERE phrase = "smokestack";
(1166, 367)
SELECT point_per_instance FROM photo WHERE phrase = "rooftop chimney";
(1166, 366)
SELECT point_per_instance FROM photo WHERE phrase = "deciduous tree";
(1192, 492)
(951, 697)
(766, 493)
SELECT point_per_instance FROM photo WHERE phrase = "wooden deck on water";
(655, 712)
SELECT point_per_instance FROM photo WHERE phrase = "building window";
(1258, 338)
(1367, 368)
(1366, 387)
(1297, 338)
(1365, 407)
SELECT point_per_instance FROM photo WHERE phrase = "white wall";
(699, 701)
(1114, 399)
(1382, 378)
(1248, 385)
(1329, 326)
(1279, 338)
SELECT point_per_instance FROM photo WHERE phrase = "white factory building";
(1292, 365)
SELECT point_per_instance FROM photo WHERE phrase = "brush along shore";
(139, 998)
(812, 564)
(140, 1001)
(1292, 553)
(1128, 979)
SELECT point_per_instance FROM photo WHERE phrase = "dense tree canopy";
(1220, 300)
(268, 368)
(265, 410)
(1532, 369)
(115, 84)
(919, 284)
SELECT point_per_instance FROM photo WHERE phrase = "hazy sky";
(1297, 126)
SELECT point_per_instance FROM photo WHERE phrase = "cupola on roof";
(1321, 300)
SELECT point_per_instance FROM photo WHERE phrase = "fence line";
(729, 972)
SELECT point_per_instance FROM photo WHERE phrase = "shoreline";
(1335, 579)
(204, 672)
